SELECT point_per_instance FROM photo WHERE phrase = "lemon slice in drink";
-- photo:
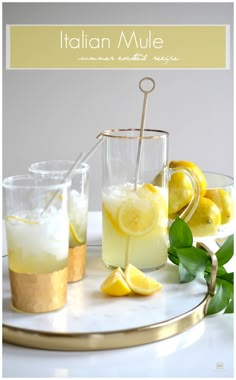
(137, 217)
(74, 236)
(150, 187)
(157, 196)
(115, 284)
(140, 283)
(22, 220)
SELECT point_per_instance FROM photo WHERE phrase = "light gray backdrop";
(55, 114)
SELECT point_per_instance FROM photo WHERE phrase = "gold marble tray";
(93, 321)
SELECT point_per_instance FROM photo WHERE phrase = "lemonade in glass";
(78, 209)
(37, 242)
(134, 207)
(135, 226)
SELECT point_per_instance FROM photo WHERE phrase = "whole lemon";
(195, 170)
(224, 201)
(206, 218)
(180, 192)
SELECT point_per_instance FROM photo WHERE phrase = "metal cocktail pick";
(137, 166)
(146, 92)
(80, 159)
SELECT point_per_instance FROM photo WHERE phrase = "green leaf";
(229, 277)
(173, 258)
(230, 307)
(193, 259)
(172, 250)
(180, 234)
(195, 262)
(222, 297)
(227, 281)
(218, 301)
(220, 270)
(184, 275)
(226, 251)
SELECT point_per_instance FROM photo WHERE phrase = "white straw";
(79, 160)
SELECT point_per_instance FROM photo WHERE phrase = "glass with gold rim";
(134, 208)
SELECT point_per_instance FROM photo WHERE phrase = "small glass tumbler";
(37, 242)
(78, 210)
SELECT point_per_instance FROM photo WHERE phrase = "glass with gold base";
(78, 210)
(37, 242)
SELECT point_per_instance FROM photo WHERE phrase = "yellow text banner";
(117, 47)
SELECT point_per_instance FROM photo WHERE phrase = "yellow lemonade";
(78, 212)
(135, 226)
(37, 244)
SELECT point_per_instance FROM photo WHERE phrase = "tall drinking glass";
(37, 242)
(134, 210)
(78, 210)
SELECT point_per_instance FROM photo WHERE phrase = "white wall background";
(55, 114)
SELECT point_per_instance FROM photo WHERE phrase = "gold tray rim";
(106, 340)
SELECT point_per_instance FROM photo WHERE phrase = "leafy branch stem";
(199, 261)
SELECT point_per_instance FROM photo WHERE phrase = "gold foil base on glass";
(38, 292)
(76, 263)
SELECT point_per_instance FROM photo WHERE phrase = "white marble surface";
(89, 310)
(206, 350)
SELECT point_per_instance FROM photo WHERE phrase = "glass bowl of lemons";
(214, 214)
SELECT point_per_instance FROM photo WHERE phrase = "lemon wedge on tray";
(120, 283)
(115, 284)
(140, 283)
